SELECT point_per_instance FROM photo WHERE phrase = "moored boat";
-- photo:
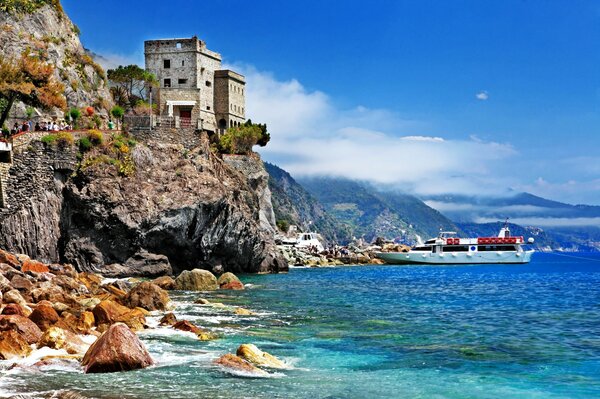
(448, 249)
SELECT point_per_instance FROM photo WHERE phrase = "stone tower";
(192, 87)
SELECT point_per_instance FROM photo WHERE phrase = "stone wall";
(230, 99)
(30, 222)
(189, 138)
(4, 167)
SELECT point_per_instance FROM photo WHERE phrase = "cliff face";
(186, 205)
(253, 169)
(47, 31)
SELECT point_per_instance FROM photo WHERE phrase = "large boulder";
(229, 281)
(196, 280)
(12, 345)
(57, 338)
(255, 356)
(109, 312)
(118, 349)
(22, 325)
(237, 364)
(34, 266)
(44, 315)
(148, 296)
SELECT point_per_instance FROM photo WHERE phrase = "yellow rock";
(255, 356)
(244, 312)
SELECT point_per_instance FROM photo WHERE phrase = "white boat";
(309, 241)
(447, 249)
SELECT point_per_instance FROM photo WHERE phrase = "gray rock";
(196, 280)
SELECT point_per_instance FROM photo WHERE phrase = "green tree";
(117, 112)
(74, 114)
(265, 137)
(129, 84)
(240, 139)
(31, 81)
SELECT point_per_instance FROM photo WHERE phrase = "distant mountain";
(565, 226)
(293, 204)
(369, 213)
(518, 206)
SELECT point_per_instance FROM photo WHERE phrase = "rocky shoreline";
(338, 256)
(93, 321)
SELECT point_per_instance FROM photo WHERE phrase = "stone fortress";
(193, 89)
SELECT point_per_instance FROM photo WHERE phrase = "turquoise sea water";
(515, 331)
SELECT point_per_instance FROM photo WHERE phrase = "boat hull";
(456, 258)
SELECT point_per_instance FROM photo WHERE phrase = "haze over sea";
(488, 331)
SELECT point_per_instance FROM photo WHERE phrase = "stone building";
(194, 90)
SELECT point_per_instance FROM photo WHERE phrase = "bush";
(283, 225)
(85, 144)
(239, 140)
(49, 139)
(74, 113)
(64, 139)
(95, 137)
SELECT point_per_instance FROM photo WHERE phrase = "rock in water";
(118, 349)
(148, 296)
(57, 338)
(229, 281)
(13, 345)
(168, 320)
(196, 280)
(165, 282)
(236, 363)
(254, 355)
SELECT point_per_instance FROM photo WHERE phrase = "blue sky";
(354, 74)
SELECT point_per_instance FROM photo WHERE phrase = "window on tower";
(167, 64)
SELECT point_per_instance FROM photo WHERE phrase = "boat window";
(428, 249)
(456, 248)
(496, 248)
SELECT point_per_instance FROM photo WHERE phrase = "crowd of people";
(50, 126)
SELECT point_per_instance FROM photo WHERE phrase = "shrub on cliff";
(31, 81)
(240, 139)
(64, 139)
(28, 6)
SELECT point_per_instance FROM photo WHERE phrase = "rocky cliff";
(43, 28)
(187, 206)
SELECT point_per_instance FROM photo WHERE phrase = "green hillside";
(370, 213)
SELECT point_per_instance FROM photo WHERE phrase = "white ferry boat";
(448, 249)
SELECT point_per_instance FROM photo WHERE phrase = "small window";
(208, 84)
(178, 45)
(167, 64)
(167, 83)
(208, 107)
(181, 81)
(182, 62)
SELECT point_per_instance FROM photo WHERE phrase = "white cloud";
(111, 60)
(311, 136)
(482, 95)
